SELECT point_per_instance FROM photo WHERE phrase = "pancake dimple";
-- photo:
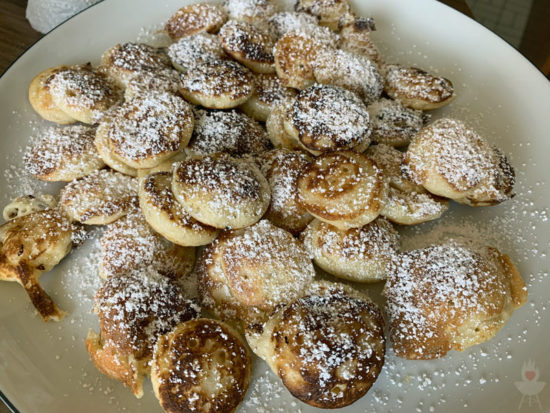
(41, 99)
(130, 244)
(201, 366)
(450, 159)
(328, 347)
(99, 198)
(450, 296)
(358, 254)
(63, 154)
(281, 167)
(349, 70)
(191, 50)
(134, 310)
(250, 10)
(393, 123)
(126, 60)
(149, 129)
(417, 88)
(248, 44)
(269, 92)
(231, 132)
(195, 18)
(217, 84)
(83, 93)
(167, 216)
(247, 273)
(344, 189)
(327, 118)
(221, 191)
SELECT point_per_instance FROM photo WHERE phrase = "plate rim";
(495, 36)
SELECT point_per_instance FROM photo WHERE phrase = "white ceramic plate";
(45, 368)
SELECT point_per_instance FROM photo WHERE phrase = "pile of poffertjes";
(275, 141)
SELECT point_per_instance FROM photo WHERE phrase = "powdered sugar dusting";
(136, 308)
(152, 124)
(62, 150)
(350, 71)
(191, 50)
(333, 116)
(227, 131)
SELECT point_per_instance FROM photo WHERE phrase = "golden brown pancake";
(450, 297)
(134, 310)
(201, 366)
(345, 189)
(327, 347)
(416, 88)
(30, 245)
(195, 18)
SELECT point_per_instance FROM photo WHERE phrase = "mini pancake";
(294, 55)
(163, 80)
(450, 297)
(416, 88)
(281, 167)
(358, 254)
(269, 92)
(194, 49)
(344, 189)
(245, 274)
(202, 365)
(106, 152)
(134, 310)
(167, 216)
(329, 12)
(99, 198)
(64, 154)
(452, 160)
(83, 93)
(221, 191)
(328, 118)
(130, 244)
(355, 37)
(327, 347)
(149, 129)
(41, 99)
(227, 131)
(218, 84)
(249, 45)
(126, 60)
(30, 245)
(393, 123)
(349, 70)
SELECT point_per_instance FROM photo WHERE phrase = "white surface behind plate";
(44, 367)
